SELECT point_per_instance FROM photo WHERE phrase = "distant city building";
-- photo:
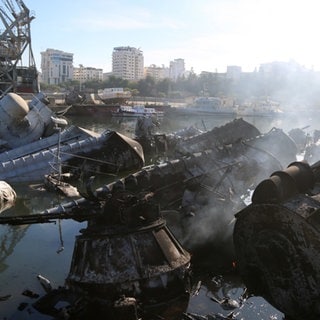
(177, 69)
(56, 66)
(280, 68)
(158, 73)
(106, 75)
(87, 73)
(211, 74)
(234, 72)
(127, 63)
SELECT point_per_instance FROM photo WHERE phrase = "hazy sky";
(207, 34)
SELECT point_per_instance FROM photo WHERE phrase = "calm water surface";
(27, 251)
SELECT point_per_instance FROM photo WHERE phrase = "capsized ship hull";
(111, 151)
(35, 143)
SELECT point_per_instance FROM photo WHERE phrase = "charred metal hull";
(77, 148)
(277, 242)
(201, 191)
(228, 133)
(231, 132)
(115, 153)
(235, 138)
(35, 143)
(277, 143)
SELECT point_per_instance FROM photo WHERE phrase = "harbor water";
(28, 251)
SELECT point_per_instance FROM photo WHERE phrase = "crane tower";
(18, 72)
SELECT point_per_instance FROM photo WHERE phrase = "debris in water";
(46, 284)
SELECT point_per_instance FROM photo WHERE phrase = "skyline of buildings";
(128, 63)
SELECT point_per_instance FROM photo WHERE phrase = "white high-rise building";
(127, 63)
(56, 66)
(177, 68)
(234, 72)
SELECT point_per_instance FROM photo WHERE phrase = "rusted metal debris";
(192, 140)
(308, 143)
(231, 132)
(201, 191)
(127, 255)
(126, 263)
(7, 193)
(277, 241)
(32, 138)
(57, 183)
(203, 187)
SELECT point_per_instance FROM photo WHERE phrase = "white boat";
(207, 106)
(137, 111)
(114, 95)
(265, 108)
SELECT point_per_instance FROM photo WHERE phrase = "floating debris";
(7, 195)
(30, 294)
(46, 284)
(6, 297)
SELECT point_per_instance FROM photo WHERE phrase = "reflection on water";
(27, 251)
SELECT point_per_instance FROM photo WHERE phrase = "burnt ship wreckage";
(133, 258)
(34, 142)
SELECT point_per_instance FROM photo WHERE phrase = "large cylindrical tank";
(13, 108)
(277, 242)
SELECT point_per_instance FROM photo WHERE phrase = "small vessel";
(136, 111)
(265, 108)
(207, 106)
(102, 103)
(112, 96)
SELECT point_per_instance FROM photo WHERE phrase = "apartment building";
(158, 73)
(177, 68)
(56, 66)
(128, 63)
(84, 74)
(234, 72)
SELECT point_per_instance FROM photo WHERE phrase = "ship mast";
(17, 65)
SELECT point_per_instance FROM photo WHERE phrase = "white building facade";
(234, 72)
(56, 66)
(127, 63)
(177, 68)
(158, 73)
(87, 73)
